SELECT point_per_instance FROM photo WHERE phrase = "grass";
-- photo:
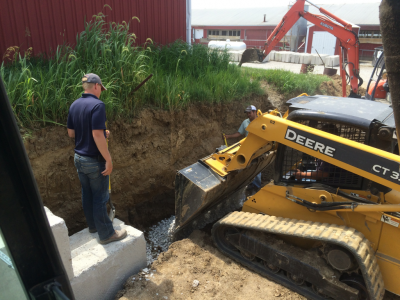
(288, 83)
(41, 89)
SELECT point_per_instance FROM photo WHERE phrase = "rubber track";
(344, 236)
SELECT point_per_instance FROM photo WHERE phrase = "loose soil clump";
(194, 269)
(334, 87)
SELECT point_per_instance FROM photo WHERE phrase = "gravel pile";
(159, 238)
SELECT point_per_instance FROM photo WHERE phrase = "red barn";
(45, 24)
(253, 25)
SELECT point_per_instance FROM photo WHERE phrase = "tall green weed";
(42, 89)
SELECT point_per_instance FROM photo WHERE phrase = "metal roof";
(356, 13)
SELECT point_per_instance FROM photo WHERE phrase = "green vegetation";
(288, 83)
(42, 89)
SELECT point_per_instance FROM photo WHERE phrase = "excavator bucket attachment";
(202, 196)
(251, 55)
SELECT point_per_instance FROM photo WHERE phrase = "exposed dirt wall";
(146, 155)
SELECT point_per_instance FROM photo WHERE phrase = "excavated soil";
(193, 259)
(146, 155)
(173, 274)
(334, 87)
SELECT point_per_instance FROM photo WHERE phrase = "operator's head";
(330, 128)
(91, 83)
(251, 112)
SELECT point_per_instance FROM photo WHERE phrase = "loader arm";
(268, 129)
(342, 30)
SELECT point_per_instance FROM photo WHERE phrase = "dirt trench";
(146, 155)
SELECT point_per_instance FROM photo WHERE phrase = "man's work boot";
(94, 230)
(117, 236)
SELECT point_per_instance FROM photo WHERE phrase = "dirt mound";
(196, 258)
(250, 55)
(334, 87)
(173, 276)
(146, 155)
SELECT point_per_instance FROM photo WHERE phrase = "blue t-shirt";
(86, 114)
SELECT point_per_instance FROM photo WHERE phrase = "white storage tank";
(230, 46)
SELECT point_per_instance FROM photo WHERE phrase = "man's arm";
(71, 133)
(231, 136)
(100, 140)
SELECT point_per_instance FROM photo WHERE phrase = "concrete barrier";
(287, 56)
(295, 59)
(60, 233)
(305, 58)
(332, 61)
(235, 55)
(278, 55)
(98, 271)
(271, 56)
(318, 59)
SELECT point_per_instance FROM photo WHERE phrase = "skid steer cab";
(327, 224)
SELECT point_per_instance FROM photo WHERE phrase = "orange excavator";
(342, 30)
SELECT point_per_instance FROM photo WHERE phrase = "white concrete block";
(101, 270)
(278, 55)
(295, 59)
(331, 61)
(60, 233)
(305, 58)
(271, 56)
(286, 56)
(235, 55)
(316, 59)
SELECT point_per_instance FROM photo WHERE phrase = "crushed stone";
(158, 238)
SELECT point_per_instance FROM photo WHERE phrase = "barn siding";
(45, 24)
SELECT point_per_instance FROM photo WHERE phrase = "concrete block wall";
(98, 271)
(293, 57)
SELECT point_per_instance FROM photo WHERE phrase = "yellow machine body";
(373, 212)
(271, 200)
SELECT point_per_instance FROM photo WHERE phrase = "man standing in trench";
(87, 124)
(251, 112)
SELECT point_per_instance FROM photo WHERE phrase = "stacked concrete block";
(305, 58)
(98, 271)
(318, 59)
(235, 55)
(287, 57)
(295, 59)
(271, 56)
(332, 61)
(278, 55)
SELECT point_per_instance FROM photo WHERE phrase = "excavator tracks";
(253, 235)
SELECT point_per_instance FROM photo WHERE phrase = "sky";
(196, 4)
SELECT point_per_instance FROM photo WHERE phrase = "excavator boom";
(341, 29)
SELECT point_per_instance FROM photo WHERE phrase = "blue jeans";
(94, 194)
(257, 181)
